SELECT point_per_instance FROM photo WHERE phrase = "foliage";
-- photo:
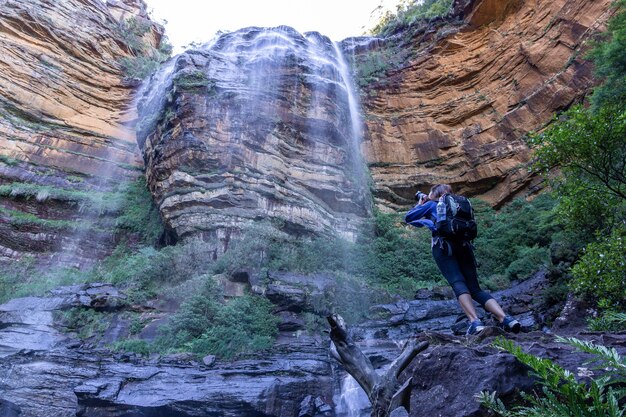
(131, 202)
(529, 260)
(86, 322)
(408, 13)
(514, 241)
(192, 81)
(7, 160)
(244, 324)
(20, 218)
(373, 65)
(145, 59)
(601, 272)
(397, 257)
(144, 272)
(139, 67)
(609, 57)
(138, 214)
(590, 151)
(206, 325)
(610, 321)
(561, 394)
(138, 346)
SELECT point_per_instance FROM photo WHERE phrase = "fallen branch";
(383, 390)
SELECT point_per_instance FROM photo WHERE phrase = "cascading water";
(264, 122)
(350, 400)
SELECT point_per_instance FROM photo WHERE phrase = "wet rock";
(290, 321)
(574, 315)
(314, 407)
(399, 412)
(45, 372)
(208, 360)
(8, 409)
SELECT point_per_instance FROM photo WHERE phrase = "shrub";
(145, 59)
(138, 213)
(245, 324)
(610, 321)
(7, 160)
(192, 81)
(529, 260)
(21, 278)
(206, 325)
(148, 271)
(561, 394)
(514, 242)
(87, 323)
(408, 14)
(141, 347)
(601, 272)
(139, 67)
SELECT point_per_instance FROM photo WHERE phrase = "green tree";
(609, 56)
(589, 149)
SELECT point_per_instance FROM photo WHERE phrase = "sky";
(198, 20)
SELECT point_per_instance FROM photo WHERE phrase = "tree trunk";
(383, 391)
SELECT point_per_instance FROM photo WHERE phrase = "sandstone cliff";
(259, 124)
(457, 109)
(63, 108)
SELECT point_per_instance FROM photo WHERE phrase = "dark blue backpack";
(455, 218)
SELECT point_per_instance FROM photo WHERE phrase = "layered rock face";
(457, 110)
(260, 124)
(44, 370)
(63, 105)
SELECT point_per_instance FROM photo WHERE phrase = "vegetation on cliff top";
(394, 51)
(408, 13)
(145, 58)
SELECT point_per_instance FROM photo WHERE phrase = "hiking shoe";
(509, 324)
(475, 327)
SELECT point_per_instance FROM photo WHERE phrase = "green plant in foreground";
(561, 394)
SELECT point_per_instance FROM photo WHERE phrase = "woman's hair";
(438, 190)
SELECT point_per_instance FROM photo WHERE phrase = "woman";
(456, 262)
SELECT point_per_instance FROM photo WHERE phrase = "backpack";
(455, 218)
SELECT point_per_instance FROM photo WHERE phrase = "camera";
(419, 196)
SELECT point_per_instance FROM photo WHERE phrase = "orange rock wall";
(64, 107)
(458, 111)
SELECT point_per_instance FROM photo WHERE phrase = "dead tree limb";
(382, 390)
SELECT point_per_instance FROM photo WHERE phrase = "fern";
(561, 395)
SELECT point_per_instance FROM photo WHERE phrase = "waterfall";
(351, 400)
(273, 130)
(355, 118)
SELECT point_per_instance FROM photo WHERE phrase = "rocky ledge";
(44, 371)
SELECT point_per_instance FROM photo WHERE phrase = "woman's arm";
(419, 211)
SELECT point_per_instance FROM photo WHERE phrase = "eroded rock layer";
(63, 108)
(458, 109)
(260, 124)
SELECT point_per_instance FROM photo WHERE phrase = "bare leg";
(465, 300)
(493, 307)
